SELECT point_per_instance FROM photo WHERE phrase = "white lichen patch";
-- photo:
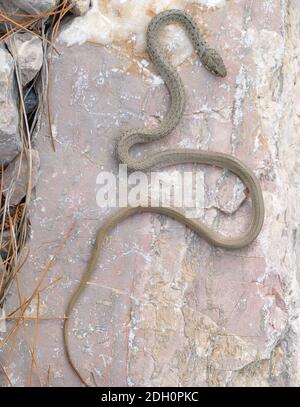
(127, 20)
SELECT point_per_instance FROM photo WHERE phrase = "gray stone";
(8, 6)
(16, 177)
(27, 50)
(11, 9)
(10, 143)
(80, 7)
(35, 6)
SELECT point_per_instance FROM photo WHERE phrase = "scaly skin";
(213, 63)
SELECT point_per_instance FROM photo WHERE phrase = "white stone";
(27, 50)
(128, 20)
(2, 321)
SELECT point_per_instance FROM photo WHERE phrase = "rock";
(10, 143)
(27, 50)
(80, 7)
(11, 9)
(31, 100)
(16, 177)
(2, 319)
(163, 306)
(35, 6)
(8, 7)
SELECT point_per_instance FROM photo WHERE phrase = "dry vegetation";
(14, 219)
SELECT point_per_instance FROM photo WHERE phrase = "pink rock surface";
(163, 306)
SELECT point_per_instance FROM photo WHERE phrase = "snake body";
(213, 62)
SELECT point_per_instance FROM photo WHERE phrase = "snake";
(212, 61)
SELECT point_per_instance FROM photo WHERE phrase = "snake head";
(213, 62)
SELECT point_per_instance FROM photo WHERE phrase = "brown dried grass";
(14, 222)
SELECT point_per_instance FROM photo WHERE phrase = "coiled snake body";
(214, 64)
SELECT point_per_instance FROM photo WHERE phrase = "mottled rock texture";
(164, 307)
(79, 7)
(35, 6)
(9, 115)
(27, 50)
